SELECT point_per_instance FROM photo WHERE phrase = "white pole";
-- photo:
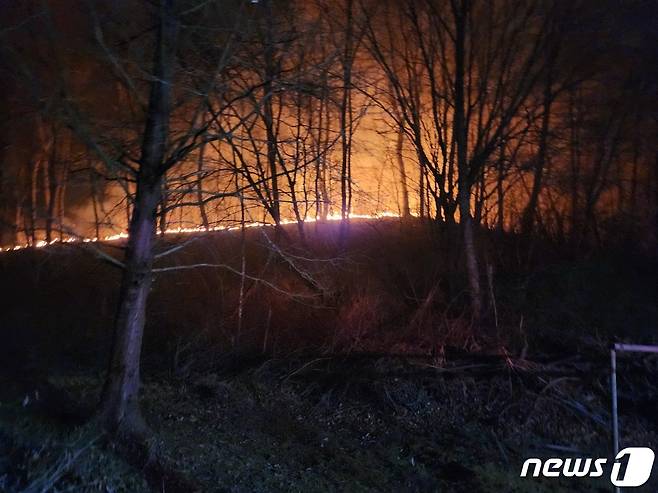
(631, 348)
(615, 412)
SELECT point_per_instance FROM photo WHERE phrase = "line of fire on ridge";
(189, 230)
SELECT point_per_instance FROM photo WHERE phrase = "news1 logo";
(632, 467)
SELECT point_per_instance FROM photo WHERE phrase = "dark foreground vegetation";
(349, 367)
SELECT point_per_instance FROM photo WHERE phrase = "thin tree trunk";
(61, 199)
(318, 161)
(268, 115)
(162, 216)
(325, 190)
(480, 195)
(34, 200)
(530, 211)
(94, 200)
(292, 176)
(199, 187)
(243, 266)
(500, 192)
(406, 211)
(18, 219)
(50, 188)
(346, 125)
(421, 192)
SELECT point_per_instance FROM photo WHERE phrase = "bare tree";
(120, 408)
(474, 64)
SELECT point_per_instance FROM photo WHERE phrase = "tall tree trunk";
(461, 11)
(472, 268)
(321, 149)
(120, 406)
(346, 124)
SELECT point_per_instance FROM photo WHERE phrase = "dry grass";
(393, 288)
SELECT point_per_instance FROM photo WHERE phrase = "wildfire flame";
(190, 230)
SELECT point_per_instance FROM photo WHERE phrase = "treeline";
(527, 116)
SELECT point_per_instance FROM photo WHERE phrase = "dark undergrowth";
(349, 367)
(393, 288)
(349, 423)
